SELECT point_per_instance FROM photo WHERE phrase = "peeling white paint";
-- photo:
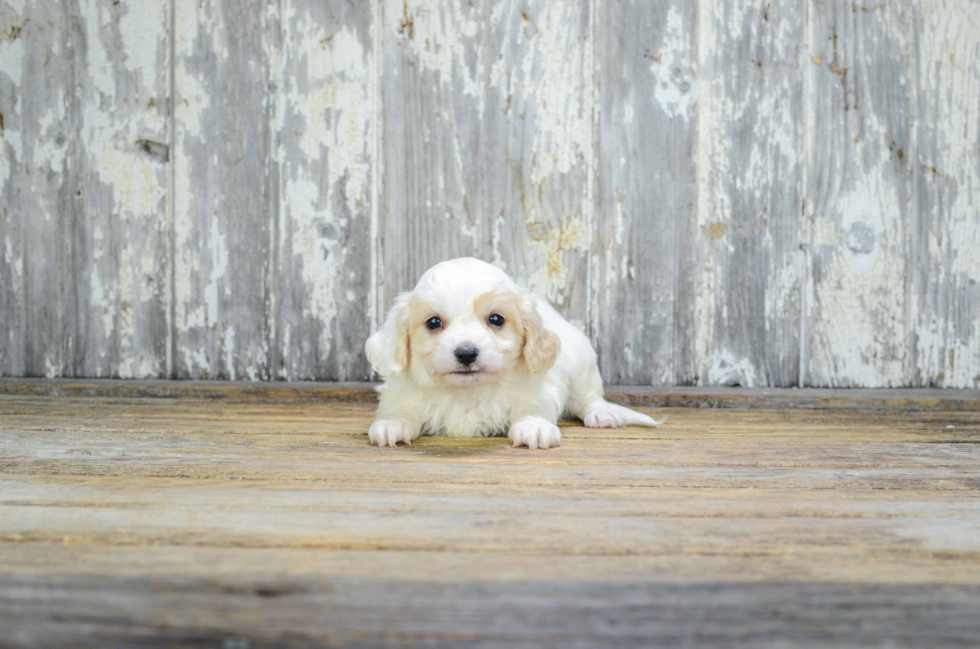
(229, 350)
(17, 5)
(191, 102)
(748, 156)
(326, 120)
(713, 206)
(499, 225)
(191, 99)
(196, 359)
(951, 45)
(51, 369)
(727, 369)
(675, 85)
(4, 163)
(437, 32)
(201, 245)
(563, 124)
(15, 260)
(12, 60)
(857, 300)
(133, 176)
(124, 247)
(48, 153)
(947, 308)
(143, 27)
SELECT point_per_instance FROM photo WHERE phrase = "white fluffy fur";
(528, 373)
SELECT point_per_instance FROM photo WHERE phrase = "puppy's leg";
(396, 422)
(586, 402)
(534, 432)
(534, 419)
(392, 431)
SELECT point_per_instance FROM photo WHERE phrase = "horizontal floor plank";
(918, 399)
(143, 612)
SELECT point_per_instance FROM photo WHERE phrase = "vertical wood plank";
(646, 71)
(433, 86)
(120, 57)
(488, 143)
(859, 196)
(37, 308)
(326, 137)
(13, 298)
(749, 232)
(226, 179)
(540, 162)
(946, 239)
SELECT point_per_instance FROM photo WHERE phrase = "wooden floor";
(151, 522)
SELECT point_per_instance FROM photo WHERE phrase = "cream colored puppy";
(468, 353)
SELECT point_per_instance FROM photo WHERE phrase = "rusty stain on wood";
(715, 230)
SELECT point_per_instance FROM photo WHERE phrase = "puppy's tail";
(603, 414)
(634, 418)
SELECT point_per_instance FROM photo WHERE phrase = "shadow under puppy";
(468, 353)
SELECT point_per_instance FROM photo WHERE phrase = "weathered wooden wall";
(720, 192)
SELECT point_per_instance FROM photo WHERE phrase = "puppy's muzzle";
(467, 355)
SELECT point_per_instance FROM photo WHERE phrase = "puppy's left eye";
(496, 320)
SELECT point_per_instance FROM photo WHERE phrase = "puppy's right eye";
(433, 323)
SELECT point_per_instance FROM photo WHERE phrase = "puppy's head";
(465, 324)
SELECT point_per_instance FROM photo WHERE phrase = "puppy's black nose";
(466, 355)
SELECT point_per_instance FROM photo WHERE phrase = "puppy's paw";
(534, 432)
(603, 416)
(391, 432)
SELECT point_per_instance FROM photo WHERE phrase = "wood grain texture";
(540, 149)
(488, 143)
(945, 264)
(749, 233)
(150, 522)
(859, 195)
(432, 84)
(392, 613)
(39, 312)
(13, 295)
(225, 189)
(643, 251)
(929, 399)
(120, 57)
(325, 127)
(355, 613)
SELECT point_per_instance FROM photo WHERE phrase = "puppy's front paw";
(389, 432)
(534, 432)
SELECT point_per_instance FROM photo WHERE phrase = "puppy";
(468, 353)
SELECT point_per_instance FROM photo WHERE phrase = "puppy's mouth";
(467, 375)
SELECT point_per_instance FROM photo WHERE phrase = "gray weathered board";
(768, 193)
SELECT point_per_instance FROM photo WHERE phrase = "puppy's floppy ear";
(387, 350)
(541, 347)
